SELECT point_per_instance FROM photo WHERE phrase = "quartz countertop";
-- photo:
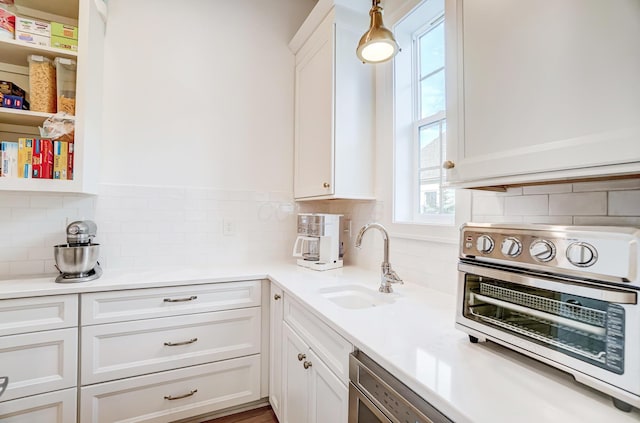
(412, 335)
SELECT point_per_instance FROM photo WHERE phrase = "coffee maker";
(319, 243)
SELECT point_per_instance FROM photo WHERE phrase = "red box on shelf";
(43, 159)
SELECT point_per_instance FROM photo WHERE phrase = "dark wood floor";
(259, 415)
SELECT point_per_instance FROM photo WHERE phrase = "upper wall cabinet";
(542, 91)
(334, 106)
(89, 16)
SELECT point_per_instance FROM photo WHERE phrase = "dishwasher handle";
(4, 381)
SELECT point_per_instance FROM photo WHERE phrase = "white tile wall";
(434, 264)
(142, 225)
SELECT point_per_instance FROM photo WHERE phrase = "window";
(420, 119)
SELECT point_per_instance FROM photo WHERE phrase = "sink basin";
(356, 296)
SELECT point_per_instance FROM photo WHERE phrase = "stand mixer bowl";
(76, 260)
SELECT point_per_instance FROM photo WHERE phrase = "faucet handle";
(392, 277)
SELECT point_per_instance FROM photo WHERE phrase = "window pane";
(432, 50)
(430, 146)
(432, 96)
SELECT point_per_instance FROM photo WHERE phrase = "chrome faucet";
(388, 275)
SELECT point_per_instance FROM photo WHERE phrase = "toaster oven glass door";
(583, 326)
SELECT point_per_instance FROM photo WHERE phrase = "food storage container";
(66, 85)
(42, 84)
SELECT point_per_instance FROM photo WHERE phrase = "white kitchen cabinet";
(312, 392)
(542, 90)
(173, 395)
(87, 15)
(38, 352)
(275, 350)
(52, 407)
(314, 379)
(334, 106)
(163, 354)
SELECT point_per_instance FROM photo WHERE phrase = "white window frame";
(407, 224)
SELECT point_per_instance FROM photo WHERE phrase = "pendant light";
(377, 45)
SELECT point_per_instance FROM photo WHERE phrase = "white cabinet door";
(313, 115)
(275, 350)
(329, 396)
(296, 383)
(23, 315)
(135, 304)
(54, 407)
(542, 90)
(334, 108)
(39, 362)
(173, 395)
(119, 350)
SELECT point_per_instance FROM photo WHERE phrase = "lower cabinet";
(276, 307)
(164, 354)
(173, 395)
(312, 392)
(52, 407)
(314, 387)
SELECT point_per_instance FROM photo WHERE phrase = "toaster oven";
(565, 295)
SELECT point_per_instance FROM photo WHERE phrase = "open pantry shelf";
(16, 52)
(23, 117)
(49, 185)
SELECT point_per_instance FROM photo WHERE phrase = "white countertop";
(413, 337)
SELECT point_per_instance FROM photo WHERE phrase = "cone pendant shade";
(378, 44)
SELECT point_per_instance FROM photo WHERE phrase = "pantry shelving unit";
(89, 16)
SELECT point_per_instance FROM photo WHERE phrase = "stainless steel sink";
(356, 296)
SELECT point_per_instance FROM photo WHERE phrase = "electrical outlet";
(346, 227)
(228, 227)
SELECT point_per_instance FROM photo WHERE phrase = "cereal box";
(9, 157)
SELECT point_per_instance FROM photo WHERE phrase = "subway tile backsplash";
(146, 226)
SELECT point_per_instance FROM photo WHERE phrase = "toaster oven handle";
(609, 295)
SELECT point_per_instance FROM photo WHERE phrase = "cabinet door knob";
(307, 364)
(326, 185)
(301, 357)
(448, 164)
(276, 297)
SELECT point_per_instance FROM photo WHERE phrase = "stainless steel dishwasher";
(376, 396)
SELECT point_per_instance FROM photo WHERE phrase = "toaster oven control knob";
(542, 250)
(511, 247)
(582, 254)
(484, 244)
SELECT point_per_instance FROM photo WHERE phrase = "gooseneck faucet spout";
(388, 275)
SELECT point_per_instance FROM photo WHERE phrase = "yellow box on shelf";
(25, 158)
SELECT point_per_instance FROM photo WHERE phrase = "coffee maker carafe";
(319, 242)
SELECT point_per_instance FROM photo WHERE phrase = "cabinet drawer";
(119, 350)
(38, 362)
(332, 348)
(23, 315)
(203, 389)
(54, 407)
(120, 306)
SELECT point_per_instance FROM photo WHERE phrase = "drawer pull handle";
(180, 300)
(301, 357)
(276, 297)
(175, 344)
(306, 364)
(171, 397)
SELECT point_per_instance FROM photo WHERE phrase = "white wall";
(200, 93)
(198, 118)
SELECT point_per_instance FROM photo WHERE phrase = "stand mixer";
(77, 261)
